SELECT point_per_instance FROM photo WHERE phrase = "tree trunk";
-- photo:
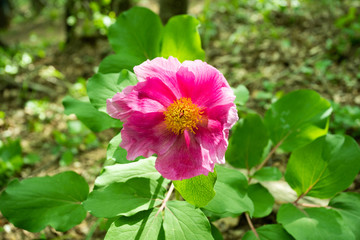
(169, 8)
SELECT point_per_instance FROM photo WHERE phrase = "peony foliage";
(177, 119)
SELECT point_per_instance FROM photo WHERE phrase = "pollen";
(183, 114)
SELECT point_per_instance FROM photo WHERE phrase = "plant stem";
(271, 153)
(163, 205)
(251, 225)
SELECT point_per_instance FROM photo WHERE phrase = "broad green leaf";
(103, 86)
(88, 115)
(122, 172)
(125, 198)
(183, 221)
(142, 226)
(247, 142)
(181, 39)
(267, 174)
(34, 203)
(115, 63)
(313, 223)
(198, 190)
(348, 206)
(324, 167)
(269, 232)
(231, 197)
(136, 33)
(242, 94)
(297, 119)
(262, 199)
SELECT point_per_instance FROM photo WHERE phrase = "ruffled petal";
(184, 159)
(145, 135)
(122, 105)
(204, 84)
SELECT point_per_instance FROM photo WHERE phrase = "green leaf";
(88, 115)
(10, 149)
(267, 174)
(247, 143)
(198, 190)
(66, 158)
(115, 153)
(34, 203)
(136, 34)
(242, 94)
(269, 232)
(122, 172)
(125, 198)
(348, 206)
(115, 63)
(313, 223)
(231, 198)
(103, 86)
(32, 158)
(324, 167)
(142, 226)
(181, 39)
(262, 199)
(183, 221)
(297, 119)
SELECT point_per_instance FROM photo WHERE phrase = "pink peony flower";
(181, 112)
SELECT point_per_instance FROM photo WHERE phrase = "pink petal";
(122, 105)
(204, 84)
(146, 134)
(183, 161)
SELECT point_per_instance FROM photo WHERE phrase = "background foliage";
(270, 47)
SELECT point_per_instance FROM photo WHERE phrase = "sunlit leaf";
(181, 39)
(198, 190)
(183, 221)
(324, 167)
(297, 119)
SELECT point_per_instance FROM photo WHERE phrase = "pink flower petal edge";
(180, 111)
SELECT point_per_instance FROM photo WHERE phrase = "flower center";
(182, 114)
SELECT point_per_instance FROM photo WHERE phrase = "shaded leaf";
(125, 198)
(115, 63)
(267, 174)
(247, 142)
(142, 226)
(269, 232)
(263, 201)
(347, 204)
(34, 203)
(122, 172)
(88, 115)
(313, 223)
(231, 197)
(136, 33)
(103, 86)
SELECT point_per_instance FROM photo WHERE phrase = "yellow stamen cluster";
(182, 114)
